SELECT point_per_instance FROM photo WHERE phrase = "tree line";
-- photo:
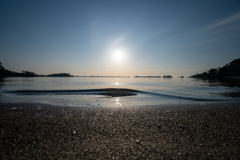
(231, 69)
(6, 73)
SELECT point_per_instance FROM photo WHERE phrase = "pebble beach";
(185, 131)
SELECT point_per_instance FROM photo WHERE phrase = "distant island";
(147, 76)
(168, 76)
(59, 75)
(6, 73)
(106, 76)
(231, 69)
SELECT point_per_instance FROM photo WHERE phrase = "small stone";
(183, 127)
(137, 141)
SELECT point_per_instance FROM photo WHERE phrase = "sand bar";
(40, 131)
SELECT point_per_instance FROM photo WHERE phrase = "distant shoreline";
(106, 76)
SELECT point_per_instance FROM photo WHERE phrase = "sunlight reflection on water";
(118, 102)
(174, 87)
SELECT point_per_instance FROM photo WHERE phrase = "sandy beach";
(40, 131)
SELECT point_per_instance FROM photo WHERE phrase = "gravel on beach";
(40, 131)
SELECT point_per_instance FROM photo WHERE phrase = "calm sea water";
(74, 91)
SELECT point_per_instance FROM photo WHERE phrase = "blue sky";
(119, 37)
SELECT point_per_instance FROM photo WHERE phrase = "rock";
(137, 141)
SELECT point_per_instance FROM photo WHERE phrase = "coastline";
(37, 131)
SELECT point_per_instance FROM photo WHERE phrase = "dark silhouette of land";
(152, 76)
(106, 76)
(2, 70)
(168, 76)
(231, 69)
(59, 75)
(7, 73)
(147, 76)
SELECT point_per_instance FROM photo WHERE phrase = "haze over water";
(87, 91)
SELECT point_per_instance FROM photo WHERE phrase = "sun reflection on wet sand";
(117, 102)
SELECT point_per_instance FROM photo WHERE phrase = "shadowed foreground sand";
(38, 131)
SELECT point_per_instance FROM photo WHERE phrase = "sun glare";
(118, 55)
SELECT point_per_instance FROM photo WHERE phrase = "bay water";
(100, 91)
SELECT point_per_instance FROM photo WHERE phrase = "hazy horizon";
(118, 38)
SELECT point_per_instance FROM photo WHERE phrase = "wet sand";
(39, 131)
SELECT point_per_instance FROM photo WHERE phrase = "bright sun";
(118, 54)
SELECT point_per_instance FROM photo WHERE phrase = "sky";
(117, 37)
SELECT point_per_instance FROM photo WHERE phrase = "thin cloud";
(117, 41)
(195, 44)
(225, 21)
(234, 27)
